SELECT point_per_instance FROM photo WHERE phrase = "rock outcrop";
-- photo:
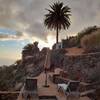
(33, 62)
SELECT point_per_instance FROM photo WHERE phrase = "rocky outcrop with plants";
(32, 64)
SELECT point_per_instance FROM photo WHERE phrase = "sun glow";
(44, 43)
(50, 40)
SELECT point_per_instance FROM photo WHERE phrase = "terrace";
(49, 93)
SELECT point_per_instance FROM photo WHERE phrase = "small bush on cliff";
(69, 42)
(91, 42)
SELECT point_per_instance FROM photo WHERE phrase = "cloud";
(28, 15)
(24, 16)
(15, 36)
(84, 13)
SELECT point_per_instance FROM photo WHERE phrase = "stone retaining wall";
(83, 65)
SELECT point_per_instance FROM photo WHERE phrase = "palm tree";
(58, 17)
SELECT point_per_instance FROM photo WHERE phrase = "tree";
(28, 49)
(58, 17)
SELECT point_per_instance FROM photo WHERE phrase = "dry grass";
(74, 51)
(91, 42)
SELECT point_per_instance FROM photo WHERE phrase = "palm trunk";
(57, 31)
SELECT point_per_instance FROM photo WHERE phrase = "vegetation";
(70, 42)
(91, 42)
(76, 41)
(6, 77)
(84, 32)
(30, 49)
(10, 75)
(58, 17)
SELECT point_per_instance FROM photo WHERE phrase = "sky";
(21, 22)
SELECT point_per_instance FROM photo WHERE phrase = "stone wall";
(83, 65)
